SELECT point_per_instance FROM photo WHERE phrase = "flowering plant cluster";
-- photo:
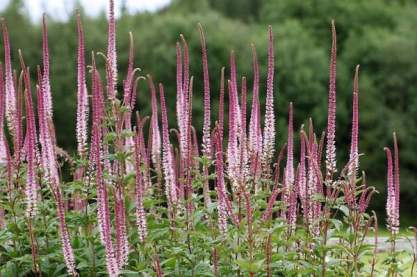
(147, 200)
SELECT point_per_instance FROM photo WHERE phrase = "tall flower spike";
(206, 141)
(18, 142)
(302, 182)
(206, 125)
(180, 97)
(30, 145)
(254, 117)
(183, 102)
(391, 201)
(122, 244)
(31, 184)
(186, 67)
(221, 189)
(140, 210)
(103, 211)
(128, 82)
(232, 144)
(396, 182)
(45, 74)
(331, 112)
(269, 126)
(288, 187)
(167, 158)
(353, 156)
(3, 155)
(111, 53)
(233, 87)
(243, 137)
(221, 104)
(82, 95)
(10, 97)
(290, 150)
(156, 137)
(292, 198)
(51, 175)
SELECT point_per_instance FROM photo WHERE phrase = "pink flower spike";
(302, 182)
(353, 156)
(223, 205)
(243, 136)
(3, 155)
(269, 125)
(254, 124)
(31, 183)
(232, 145)
(233, 88)
(391, 201)
(180, 96)
(45, 74)
(49, 164)
(156, 137)
(167, 157)
(140, 210)
(103, 210)
(207, 121)
(186, 69)
(396, 181)
(111, 53)
(290, 150)
(10, 94)
(331, 113)
(82, 94)
(221, 104)
(128, 82)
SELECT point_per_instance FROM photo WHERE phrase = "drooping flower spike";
(268, 211)
(366, 195)
(128, 83)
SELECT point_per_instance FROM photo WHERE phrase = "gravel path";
(385, 245)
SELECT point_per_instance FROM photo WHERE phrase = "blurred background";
(380, 35)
